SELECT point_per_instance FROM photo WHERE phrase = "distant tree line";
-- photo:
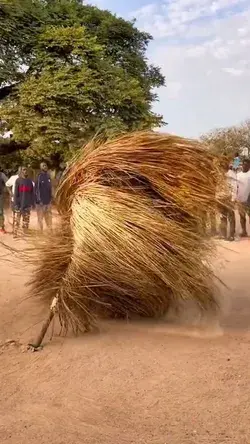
(228, 141)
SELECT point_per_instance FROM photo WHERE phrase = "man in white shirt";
(3, 180)
(243, 195)
(232, 181)
(11, 184)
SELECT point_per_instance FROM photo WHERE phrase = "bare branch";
(6, 90)
(10, 146)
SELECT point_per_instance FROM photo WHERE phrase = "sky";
(203, 49)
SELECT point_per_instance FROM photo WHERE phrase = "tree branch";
(6, 90)
(10, 146)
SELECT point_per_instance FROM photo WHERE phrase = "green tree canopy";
(69, 71)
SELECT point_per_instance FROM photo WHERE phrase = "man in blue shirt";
(43, 190)
(236, 162)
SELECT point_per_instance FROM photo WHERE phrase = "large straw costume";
(129, 240)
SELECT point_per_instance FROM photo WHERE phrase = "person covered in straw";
(128, 241)
(226, 196)
(43, 192)
(243, 195)
(24, 201)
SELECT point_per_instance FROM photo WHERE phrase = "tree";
(228, 141)
(245, 137)
(68, 72)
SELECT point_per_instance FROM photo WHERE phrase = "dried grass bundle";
(129, 240)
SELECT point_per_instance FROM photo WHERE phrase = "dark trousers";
(227, 215)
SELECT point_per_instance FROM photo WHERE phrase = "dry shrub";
(129, 241)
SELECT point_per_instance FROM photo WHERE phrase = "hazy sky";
(203, 48)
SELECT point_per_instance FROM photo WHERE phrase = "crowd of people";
(236, 198)
(26, 195)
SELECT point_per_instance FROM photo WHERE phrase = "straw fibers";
(129, 241)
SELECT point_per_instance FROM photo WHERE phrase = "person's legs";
(213, 223)
(13, 221)
(223, 221)
(13, 216)
(26, 220)
(16, 222)
(40, 214)
(48, 216)
(1, 213)
(243, 220)
(247, 208)
(231, 218)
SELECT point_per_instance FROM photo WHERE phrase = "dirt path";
(132, 384)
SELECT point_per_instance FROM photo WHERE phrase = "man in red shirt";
(24, 200)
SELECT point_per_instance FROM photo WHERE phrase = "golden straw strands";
(130, 240)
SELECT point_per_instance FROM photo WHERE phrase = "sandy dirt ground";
(142, 383)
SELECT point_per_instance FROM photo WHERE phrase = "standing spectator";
(236, 161)
(226, 196)
(24, 200)
(232, 181)
(243, 195)
(3, 180)
(11, 182)
(43, 191)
